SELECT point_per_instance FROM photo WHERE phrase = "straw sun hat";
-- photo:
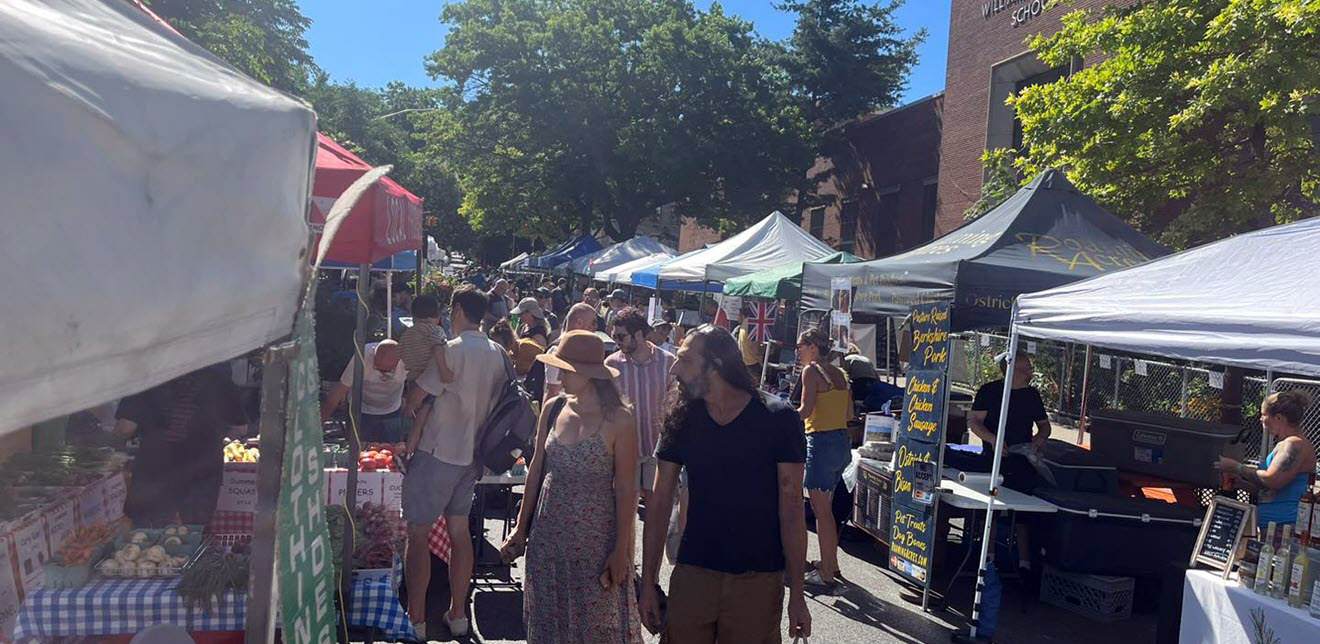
(581, 352)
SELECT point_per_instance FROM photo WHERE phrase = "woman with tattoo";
(1283, 476)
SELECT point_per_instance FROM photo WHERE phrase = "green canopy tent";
(781, 282)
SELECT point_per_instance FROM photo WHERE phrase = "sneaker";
(814, 580)
(457, 627)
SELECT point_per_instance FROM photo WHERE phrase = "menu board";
(920, 444)
(1221, 533)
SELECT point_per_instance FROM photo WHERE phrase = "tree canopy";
(587, 115)
(1194, 119)
(263, 38)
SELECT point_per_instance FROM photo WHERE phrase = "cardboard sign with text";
(238, 488)
(920, 444)
(116, 492)
(91, 505)
(61, 522)
(370, 487)
(31, 550)
(10, 597)
(392, 494)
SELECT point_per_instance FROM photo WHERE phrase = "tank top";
(1282, 507)
(831, 411)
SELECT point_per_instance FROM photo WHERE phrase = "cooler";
(1177, 449)
(1077, 469)
(1110, 535)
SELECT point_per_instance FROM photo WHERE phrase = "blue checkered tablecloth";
(112, 607)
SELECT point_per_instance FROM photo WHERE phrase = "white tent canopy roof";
(618, 255)
(515, 261)
(774, 241)
(623, 272)
(170, 190)
(1250, 301)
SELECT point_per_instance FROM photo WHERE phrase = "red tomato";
(367, 465)
(387, 452)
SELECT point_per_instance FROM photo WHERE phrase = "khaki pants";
(706, 607)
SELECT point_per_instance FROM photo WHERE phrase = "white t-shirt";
(381, 393)
(552, 373)
(461, 406)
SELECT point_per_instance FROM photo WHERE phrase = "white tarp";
(515, 262)
(774, 241)
(618, 255)
(623, 272)
(155, 203)
(1250, 300)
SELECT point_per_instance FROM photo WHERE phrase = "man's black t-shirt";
(1025, 407)
(733, 483)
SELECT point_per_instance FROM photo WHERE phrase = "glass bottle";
(1282, 566)
(1265, 563)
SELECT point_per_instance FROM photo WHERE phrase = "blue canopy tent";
(405, 261)
(649, 277)
(584, 245)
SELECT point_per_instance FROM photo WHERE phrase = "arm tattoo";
(1252, 475)
(1287, 458)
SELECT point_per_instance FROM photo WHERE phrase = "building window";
(886, 222)
(1010, 77)
(848, 227)
(817, 222)
(929, 200)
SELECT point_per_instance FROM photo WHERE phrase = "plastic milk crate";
(1103, 599)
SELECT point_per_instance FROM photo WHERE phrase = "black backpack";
(510, 426)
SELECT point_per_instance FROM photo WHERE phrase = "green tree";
(1196, 120)
(587, 115)
(1002, 180)
(262, 38)
(847, 58)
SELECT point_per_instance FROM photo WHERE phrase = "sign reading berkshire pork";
(920, 440)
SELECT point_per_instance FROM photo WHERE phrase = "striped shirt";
(416, 344)
(644, 386)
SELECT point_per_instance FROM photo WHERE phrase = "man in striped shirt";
(643, 380)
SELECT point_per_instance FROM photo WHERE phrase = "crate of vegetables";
(70, 567)
(379, 457)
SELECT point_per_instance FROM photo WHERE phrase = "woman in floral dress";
(579, 555)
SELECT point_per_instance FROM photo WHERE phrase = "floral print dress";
(569, 548)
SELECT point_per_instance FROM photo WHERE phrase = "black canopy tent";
(1046, 235)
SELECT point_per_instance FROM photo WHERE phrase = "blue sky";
(373, 42)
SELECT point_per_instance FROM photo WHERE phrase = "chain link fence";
(1125, 382)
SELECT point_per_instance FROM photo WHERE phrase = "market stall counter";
(1223, 612)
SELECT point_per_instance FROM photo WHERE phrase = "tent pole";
(389, 301)
(1086, 397)
(1267, 441)
(354, 424)
(889, 338)
(993, 490)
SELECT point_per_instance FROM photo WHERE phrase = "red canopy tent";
(386, 221)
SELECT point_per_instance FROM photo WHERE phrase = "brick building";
(988, 60)
(875, 192)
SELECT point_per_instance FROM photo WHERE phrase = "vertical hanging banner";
(920, 443)
(304, 558)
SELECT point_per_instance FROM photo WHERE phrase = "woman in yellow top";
(827, 406)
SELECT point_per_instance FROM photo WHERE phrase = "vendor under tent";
(782, 282)
(172, 187)
(398, 262)
(1236, 302)
(516, 262)
(566, 252)
(1045, 235)
(387, 220)
(773, 241)
(617, 255)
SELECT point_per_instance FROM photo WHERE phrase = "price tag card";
(371, 487)
(61, 522)
(1217, 379)
(1031, 348)
(393, 490)
(1106, 362)
(31, 551)
(91, 505)
(1141, 367)
(116, 491)
(238, 490)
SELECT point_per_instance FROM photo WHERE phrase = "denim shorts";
(828, 454)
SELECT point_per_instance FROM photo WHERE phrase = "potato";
(171, 531)
(138, 537)
(173, 541)
(182, 531)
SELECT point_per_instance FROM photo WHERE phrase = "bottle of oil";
(1265, 563)
(1299, 583)
(1282, 566)
(1305, 510)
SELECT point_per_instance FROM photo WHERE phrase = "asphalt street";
(871, 607)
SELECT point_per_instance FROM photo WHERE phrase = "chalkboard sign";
(920, 445)
(1221, 532)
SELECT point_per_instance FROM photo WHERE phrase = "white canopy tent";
(623, 272)
(515, 262)
(774, 241)
(171, 191)
(1247, 301)
(618, 255)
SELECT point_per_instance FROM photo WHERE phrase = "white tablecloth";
(1215, 611)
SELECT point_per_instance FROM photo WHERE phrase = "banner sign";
(920, 444)
(304, 558)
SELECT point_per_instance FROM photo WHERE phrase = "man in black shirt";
(1025, 409)
(745, 520)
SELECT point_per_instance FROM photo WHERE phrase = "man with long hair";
(745, 525)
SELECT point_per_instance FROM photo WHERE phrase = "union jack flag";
(761, 321)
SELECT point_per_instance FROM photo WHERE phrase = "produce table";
(112, 607)
(1217, 611)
